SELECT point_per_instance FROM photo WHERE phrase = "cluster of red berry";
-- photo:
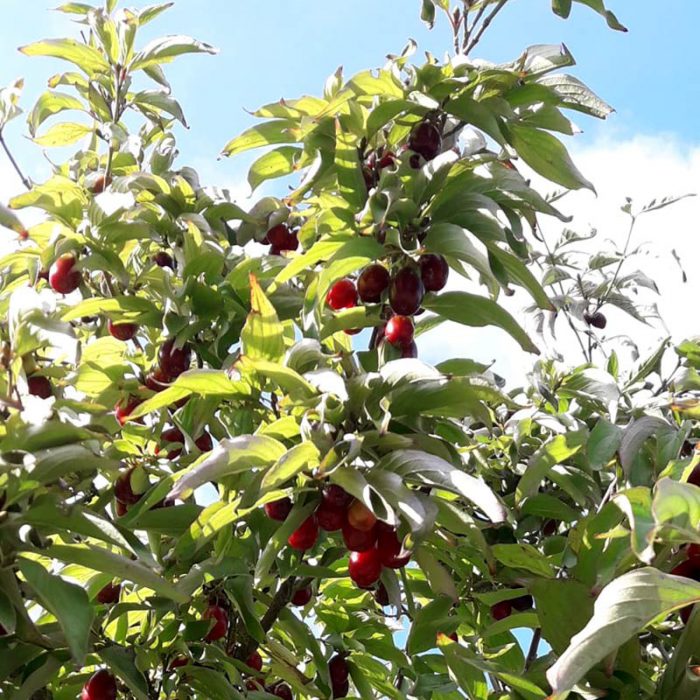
(404, 292)
(280, 238)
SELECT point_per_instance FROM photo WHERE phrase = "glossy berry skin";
(341, 690)
(358, 540)
(406, 292)
(120, 508)
(278, 236)
(425, 140)
(156, 380)
(329, 517)
(381, 595)
(125, 408)
(342, 295)
(279, 509)
(122, 331)
(305, 536)
(302, 596)
(100, 184)
(282, 690)
(597, 319)
(174, 361)
(109, 594)
(64, 277)
(694, 477)
(173, 435)
(389, 548)
(399, 331)
(372, 283)
(337, 496)
(220, 618)
(434, 271)
(178, 662)
(693, 551)
(502, 610)
(254, 661)
(204, 442)
(361, 517)
(365, 567)
(39, 386)
(409, 351)
(522, 603)
(338, 670)
(163, 259)
(101, 686)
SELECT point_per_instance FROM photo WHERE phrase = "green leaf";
(439, 578)
(160, 102)
(547, 156)
(275, 163)
(427, 623)
(164, 50)
(623, 608)
(348, 167)
(635, 503)
(262, 336)
(523, 556)
(67, 602)
(473, 310)
(124, 569)
(603, 443)
(122, 662)
(63, 134)
(241, 589)
(271, 132)
(555, 451)
(48, 104)
(562, 8)
(635, 434)
(302, 456)
(677, 504)
(87, 58)
(599, 7)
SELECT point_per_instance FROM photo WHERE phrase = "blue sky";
(283, 48)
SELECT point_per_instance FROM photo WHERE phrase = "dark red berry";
(305, 536)
(693, 551)
(39, 386)
(406, 292)
(341, 690)
(157, 380)
(372, 283)
(220, 627)
(279, 509)
(282, 691)
(522, 603)
(550, 527)
(694, 477)
(163, 259)
(358, 540)
(120, 508)
(302, 596)
(381, 595)
(100, 183)
(109, 594)
(101, 686)
(389, 548)
(342, 295)
(399, 331)
(254, 661)
(596, 319)
(204, 442)
(329, 517)
(337, 496)
(425, 139)
(365, 567)
(501, 610)
(125, 408)
(409, 351)
(434, 271)
(338, 670)
(124, 490)
(292, 241)
(173, 435)
(278, 236)
(178, 662)
(64, 276)
(174, 361)
(122, 331)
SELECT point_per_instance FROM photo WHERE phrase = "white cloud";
(643, 168)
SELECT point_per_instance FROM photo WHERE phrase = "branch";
(485, 25)
(22, 177)
(534, 646)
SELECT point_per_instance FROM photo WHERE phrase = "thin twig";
(25, 180)
(469, 30)
(623, 258)
(484, 26)
(534, 646)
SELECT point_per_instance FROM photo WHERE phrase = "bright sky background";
(279, 48)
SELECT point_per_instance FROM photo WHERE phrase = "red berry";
(425, 140)
(3, 631)
(125, 408)
(522, 603)
(157, 380)
(109, 594)
(278, 236)
(64, 277)
(399, 331)
(163, 259)
(694, 477)
(338, 670)
(337, 496)
(342, 295)
(204, 442)
(278, 510)
(281, 690)
(370, 177)
(220, 628)
(329, 517)
(39, 386)
(550, 527)
(386, 161)
(365, 567)
(501, 610)
(122, 331)
(358, 540)
(409, 351)
(302, 596)
(254, 661)
(693, 551)
(292, 241)
(120, 508)
(341, 690)
(373, 281)
(453, 637)
(406, 292)
(173, 435)
(178, 662)
(305, 536)
(389, 548)
(381, 595)
(434, 271)
(174, 361)
(124, 488)
(101, 686)
(100, 184)
(361, 517)
(685, 613)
